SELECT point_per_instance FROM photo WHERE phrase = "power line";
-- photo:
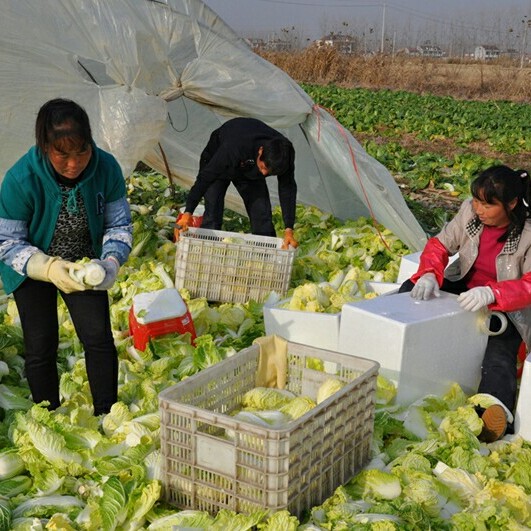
(438, 20)
(400, 8)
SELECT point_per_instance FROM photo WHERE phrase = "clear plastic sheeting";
(157, 77)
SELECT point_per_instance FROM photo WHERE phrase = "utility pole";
(383, 30)
(527, 24)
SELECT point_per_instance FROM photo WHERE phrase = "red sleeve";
(434, 259)
(511, 295)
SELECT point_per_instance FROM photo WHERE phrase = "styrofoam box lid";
(158, 305)
(401, 307)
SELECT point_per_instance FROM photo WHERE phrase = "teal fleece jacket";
(30, 202)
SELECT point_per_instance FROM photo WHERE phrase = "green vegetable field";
(432, 145)
(68, 470)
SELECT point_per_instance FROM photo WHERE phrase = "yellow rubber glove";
(52, 269)
(289, 240)
(185, 220)
(273, 363)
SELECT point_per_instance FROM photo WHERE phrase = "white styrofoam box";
(423, 346)
(409, 263)
(319, 330)
(522, 416)
(381, 288)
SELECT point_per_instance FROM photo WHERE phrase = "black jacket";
(231, 154)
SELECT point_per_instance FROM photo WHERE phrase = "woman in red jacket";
(492, 234)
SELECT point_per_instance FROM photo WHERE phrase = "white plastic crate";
(295, 467)
(320, 330)
(208, 265)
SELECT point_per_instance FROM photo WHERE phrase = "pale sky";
(492, 19)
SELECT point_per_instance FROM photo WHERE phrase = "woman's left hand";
(111, 267)
(476, 298)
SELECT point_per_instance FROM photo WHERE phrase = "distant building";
(424, 50)
(255, 44)
(486, 52)
(277, 45)
(412, 51)
(342, 43)
(430, 50)
(511, 53)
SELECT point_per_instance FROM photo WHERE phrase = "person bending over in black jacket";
(244, 151)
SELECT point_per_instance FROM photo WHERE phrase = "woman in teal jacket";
(64, 200)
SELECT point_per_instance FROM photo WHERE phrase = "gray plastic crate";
(295, 467)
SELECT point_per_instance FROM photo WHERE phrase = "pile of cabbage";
(336, 262)
(276, 408)
(69, 470)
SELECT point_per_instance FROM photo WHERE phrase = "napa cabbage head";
(11, 463)
(374, 484)
(298, 407)
(328, 388)
(264, 398)
(47, 506)
(386, 390)
(280, 520)
(462, 426)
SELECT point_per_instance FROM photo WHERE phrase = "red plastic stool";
(157, 313)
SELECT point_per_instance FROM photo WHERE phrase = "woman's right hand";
(52, 269)
(59, 274)
(426, 287)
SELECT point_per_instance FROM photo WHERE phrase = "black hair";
(278, 155)
(504, 184)
(59, 120)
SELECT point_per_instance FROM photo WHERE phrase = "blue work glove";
(476, 298)
(426, 287)
(111, 267)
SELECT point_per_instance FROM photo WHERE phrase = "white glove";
(476, 298)
(426, 287)
(111, 267)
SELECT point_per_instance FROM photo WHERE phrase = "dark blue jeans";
(498, 370)
(89, 310)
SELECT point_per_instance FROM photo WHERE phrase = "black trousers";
(254, 193)
(89, 310)
(498, 369)
(255, 197)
